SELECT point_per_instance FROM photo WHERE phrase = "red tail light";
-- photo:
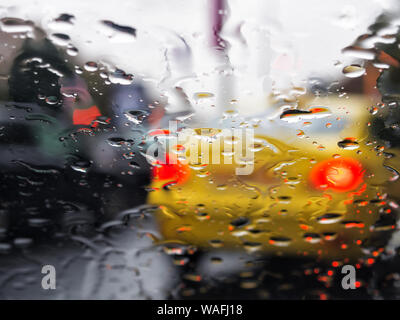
(171, 171)
(86, 116)
(339, 174)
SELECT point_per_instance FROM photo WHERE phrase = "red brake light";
(177, 172)
(86, 116)
(339, 174)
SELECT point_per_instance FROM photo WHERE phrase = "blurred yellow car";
(317, 189)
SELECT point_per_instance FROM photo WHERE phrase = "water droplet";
(230, 113)
(353, 71)
(78, 70)
(134, 165)
(216, 243)
(329, 218)
(395, 174)
(60, 39)
(118, 32)
(15, 25)
(312, 237)
(348, 144)
(329, 236)
(177, 249)
(240, 222)
(91, 66)
(23, 243)
(38, 222)
(136, 116)
(257, 145)
(120, 77)
(295, 115)
(72, 51)
(119, 142)
(216, 260)
(62, 22)
(252, 246)
(51, 100)
(81, 166)
(202, 95)
(280, 241)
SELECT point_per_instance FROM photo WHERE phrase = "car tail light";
(172, 170)
(337, 174)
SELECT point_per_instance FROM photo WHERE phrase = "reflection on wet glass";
(222, 149)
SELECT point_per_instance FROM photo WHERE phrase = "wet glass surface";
(199, 149)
